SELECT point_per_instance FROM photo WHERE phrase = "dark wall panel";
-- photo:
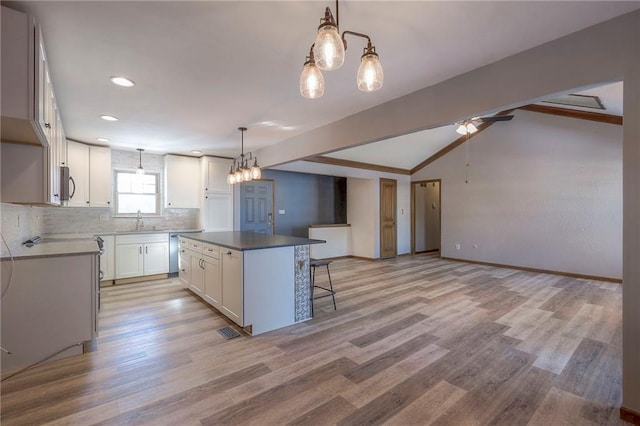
(306, 199)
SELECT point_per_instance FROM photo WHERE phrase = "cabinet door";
(215, 174)
(100, 176)
(217, 212)
(212, 281)
(78, 159)
(196, 283)
(129, 261)
(156, 258)
(232, 289)
(107, 258)
(181, 181)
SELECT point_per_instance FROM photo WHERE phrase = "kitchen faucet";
(139, 221)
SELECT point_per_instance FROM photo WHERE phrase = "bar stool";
(331, 292)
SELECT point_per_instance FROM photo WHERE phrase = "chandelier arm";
(344, 40)
(337, 16)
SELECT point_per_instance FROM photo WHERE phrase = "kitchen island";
(259, 281)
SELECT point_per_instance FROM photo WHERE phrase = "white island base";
(260, 282)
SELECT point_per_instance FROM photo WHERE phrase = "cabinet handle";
(169, 204)
(87, 202)
(55, 195)
(140, 249)
(108, 202)
(228, 253)
(182, 269)
(182, 251)
(47, 125)
(146, 250)
(74, 187)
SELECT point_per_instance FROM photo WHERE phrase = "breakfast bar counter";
(259, 281)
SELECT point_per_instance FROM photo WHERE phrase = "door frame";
(413, 212)
(380, 212)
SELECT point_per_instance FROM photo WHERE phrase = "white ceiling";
(204, 68)
(409, 150)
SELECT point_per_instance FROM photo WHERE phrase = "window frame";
(158, 193)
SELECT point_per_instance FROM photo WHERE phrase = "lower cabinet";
(232, 289)
(141, 254)
(215, 274)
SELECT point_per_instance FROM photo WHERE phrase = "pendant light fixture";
(327, 53)
(140, 170)
(240, 170)
(466, 128)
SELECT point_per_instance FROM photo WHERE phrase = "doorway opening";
(426, 216)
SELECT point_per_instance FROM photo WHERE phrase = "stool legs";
(331, 291)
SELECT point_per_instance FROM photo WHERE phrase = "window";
(137, 192)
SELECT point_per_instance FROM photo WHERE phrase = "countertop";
(64, 247)
(242, 241)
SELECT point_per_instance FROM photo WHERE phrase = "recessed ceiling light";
(109, 117)
(103, 139)
(195, 151)
(121, 81)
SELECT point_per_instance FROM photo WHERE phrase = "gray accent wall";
(306, 199)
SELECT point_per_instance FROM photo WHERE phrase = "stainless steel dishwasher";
(173, 255)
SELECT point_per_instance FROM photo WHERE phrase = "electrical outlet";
(18, 222)
(104, 217)
(280, 211)
(457, 246)
(475, 246)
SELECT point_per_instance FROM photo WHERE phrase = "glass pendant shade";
(370, 74)
(140, 171)
(246, 173)
(231, 177)
(238, 175)
(311, 81)
(462, 129)
(256, 172)
(329, 48)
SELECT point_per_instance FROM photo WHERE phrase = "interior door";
(388, 227)
(256, 208)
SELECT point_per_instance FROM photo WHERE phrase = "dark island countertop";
(242, 241)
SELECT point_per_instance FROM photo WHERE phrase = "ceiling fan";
(467, 127)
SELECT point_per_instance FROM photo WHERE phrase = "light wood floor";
(415, 340)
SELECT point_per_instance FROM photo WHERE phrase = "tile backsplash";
(82, 220)
(19, 223)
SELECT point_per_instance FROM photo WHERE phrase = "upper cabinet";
(30, 115)
(28, 102)
(215, 171)
(89, 175)
(181, 176)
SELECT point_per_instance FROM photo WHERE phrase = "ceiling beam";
(357, 165)
(456, 143)
(572, 113)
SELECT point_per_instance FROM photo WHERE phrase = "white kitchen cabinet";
(141, 254)
(215, 171)
(217, 212)
(156, 258)
(90, 174)
(232, 287)
(184, 266)
(196, 283)
(181, 176)
(212, 275)
(78, 162)
(129, 261)
(99, 176)
(107, 258)
(30, 114)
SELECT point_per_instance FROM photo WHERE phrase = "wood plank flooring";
(415, 341)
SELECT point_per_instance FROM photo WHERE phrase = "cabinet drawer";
(194, 245)
(211, 250)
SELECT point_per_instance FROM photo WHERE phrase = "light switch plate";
(280, 211)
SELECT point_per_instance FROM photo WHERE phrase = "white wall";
(544, 192)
